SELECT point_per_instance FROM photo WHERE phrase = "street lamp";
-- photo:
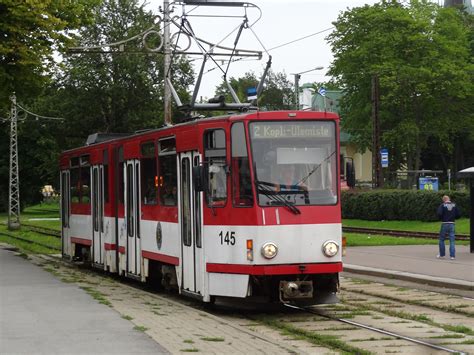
(297, 84)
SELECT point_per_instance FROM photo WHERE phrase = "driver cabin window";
(215, 154)
(240, 168)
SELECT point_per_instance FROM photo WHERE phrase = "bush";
(379, 205)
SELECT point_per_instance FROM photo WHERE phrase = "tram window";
(121, 183)
(106, 176)
(149, 179)
(167, 146)
(85, 160)
(121, 180)
(106, 183)
(75, 185)
(80, 184)
(85, 184)
(241, 181)
(167, 172)
(215, 153)
(74, 162)
(186, 202)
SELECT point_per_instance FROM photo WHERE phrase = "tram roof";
(97, 140)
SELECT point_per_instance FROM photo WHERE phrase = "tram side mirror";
(199, 178)
(350, 174)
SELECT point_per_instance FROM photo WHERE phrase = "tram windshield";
(295, 162)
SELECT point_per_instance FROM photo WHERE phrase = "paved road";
(42, 315)
(415, 262)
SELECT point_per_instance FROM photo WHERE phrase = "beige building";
(362, 161)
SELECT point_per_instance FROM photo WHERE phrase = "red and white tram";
(244, 205)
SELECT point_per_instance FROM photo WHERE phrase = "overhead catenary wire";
(280, 45)
(39, 116)
(301, 38)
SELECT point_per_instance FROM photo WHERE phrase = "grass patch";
(140, 328)
(372, 339)
(453, 308)
(100, 297)
(191, 350)
(217, 339)
(329, 341)
(448, 336)
(359, 240)
(418, 318)
(124, 316)
(462, 225)
(188, 341)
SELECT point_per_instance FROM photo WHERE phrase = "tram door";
(65, 212)
(132, 215)
(190, 225)
(98, 237)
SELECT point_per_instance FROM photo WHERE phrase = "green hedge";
(379, 205)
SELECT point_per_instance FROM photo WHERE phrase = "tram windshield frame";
(294, 162)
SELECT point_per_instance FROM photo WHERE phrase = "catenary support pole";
(297, 91)
(377, 179)
(14, 183)
(167, 61)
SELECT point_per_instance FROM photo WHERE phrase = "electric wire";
(279, 46)
(301, 38)
(39, 116)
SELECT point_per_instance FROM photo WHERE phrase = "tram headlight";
(269, 250)
(330, 248)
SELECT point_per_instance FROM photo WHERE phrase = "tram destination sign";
(292, 130)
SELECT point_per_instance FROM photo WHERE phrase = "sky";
(281, 21)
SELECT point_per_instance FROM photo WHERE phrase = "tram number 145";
(227, 238)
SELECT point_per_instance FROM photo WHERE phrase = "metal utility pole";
(167, 64)
(297, 89)
(14, 185)
(297, 85)
(377, 179)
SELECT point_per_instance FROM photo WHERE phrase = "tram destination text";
(275, 131)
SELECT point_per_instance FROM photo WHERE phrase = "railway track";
(378, 330)
(42, 230)
(378, 231)
(399, 233)
(30, 241)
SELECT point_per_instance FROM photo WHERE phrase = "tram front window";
(295, 162)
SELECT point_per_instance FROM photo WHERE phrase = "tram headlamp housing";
(269, 250)
(330, 248)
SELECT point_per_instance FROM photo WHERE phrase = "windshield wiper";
(316, 167)
(264, 188)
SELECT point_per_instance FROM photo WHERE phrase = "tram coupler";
(291, 290)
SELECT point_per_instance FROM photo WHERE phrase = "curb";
(406, 276)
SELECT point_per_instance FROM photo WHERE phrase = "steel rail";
(399, 233)
(42, 230)
(378, 330)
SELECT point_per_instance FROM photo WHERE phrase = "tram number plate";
(227, 238)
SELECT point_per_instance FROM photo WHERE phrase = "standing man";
(447, 212)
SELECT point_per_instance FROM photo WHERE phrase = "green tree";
(95, 92)
(31, 32)
(421, 55)
(278, 92)
(120, 91)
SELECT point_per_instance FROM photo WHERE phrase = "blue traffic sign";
(384, 157)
